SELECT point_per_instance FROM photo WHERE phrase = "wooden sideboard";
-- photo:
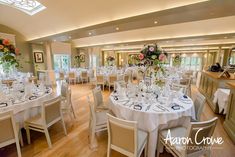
(229, 123)
(210, 82)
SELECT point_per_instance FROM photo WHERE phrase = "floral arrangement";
(8, 53)
(152, 55)
(177, 60)
(110, 59)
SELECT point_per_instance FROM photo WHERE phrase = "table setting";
(151, 106)
(24, 99)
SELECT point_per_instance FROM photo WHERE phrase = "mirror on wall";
(231, 59)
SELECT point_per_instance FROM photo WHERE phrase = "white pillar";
(48, 56)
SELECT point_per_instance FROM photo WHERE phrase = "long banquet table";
(153, 117)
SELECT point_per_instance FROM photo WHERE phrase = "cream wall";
(23, 46)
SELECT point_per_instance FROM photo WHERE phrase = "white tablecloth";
(154, 118)
(28, 108)
(221, 98)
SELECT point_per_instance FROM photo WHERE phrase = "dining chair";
(61, 76)
(72, 77)
(196, 132)
(177, 87)
(100, 80)
(98, 100)
(187, 81)
(66, 103)
(122, 84)
(84, 76)
(97, 122)
(111, 80)
(9, 132)
(199, 104)
(50, 114)
(126, 78)
(125, 137)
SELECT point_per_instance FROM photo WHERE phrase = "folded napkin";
(3, 104)
(32, 97)
(137, 107)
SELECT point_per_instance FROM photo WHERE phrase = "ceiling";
(61, 16)
(114, 23)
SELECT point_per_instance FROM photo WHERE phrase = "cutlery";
(148, 107)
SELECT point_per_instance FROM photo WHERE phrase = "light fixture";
(225, 37)
(54, 40)
(89, 33)
(70, 37)
(30, 7)
(117, 28)
(155, 22)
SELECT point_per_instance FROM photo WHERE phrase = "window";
(61, 62)
(191, 63)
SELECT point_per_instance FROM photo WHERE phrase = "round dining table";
(27, 108)
(153, 115)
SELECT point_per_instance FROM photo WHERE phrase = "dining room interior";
(116, 78)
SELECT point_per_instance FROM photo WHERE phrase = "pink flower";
(151, 49)
(17, 51)
(6, 42)
(162, 57)
(1, 47)
(141, 56)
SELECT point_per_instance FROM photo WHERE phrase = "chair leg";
(145, 150)
(73, 110)
(48, 137)
(28, 134)
(21, 139)
(108, 151)
(63, 124)
(18, 148)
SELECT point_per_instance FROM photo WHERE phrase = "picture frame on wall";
(82, 57)
(38, 57)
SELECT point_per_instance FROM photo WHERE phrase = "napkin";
(3, 104)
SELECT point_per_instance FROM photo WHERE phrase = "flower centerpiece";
(8, 54)
(110, 60)
(177, 60)
(153, 56)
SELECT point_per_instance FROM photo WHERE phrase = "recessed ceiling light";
(54, 40)
(70, 37)
(89, 33)
(225, 37)
(155, 22)
(117, 28)
(167, 41)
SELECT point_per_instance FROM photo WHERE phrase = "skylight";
(30, 7)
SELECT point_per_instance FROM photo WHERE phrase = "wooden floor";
(75, 144)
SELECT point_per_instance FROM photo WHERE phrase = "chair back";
(185, 81)
(121, 84)
(61, 75)
(72, 75)
(98, 97)
(64, 89)
(199, 104)
(92, 113)
(112, 79)
(84, 74)
(100, 78)
(196, 132)
(122, 135)
(126, 78)
(51, 111)
(8, 133)
(177, 87)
